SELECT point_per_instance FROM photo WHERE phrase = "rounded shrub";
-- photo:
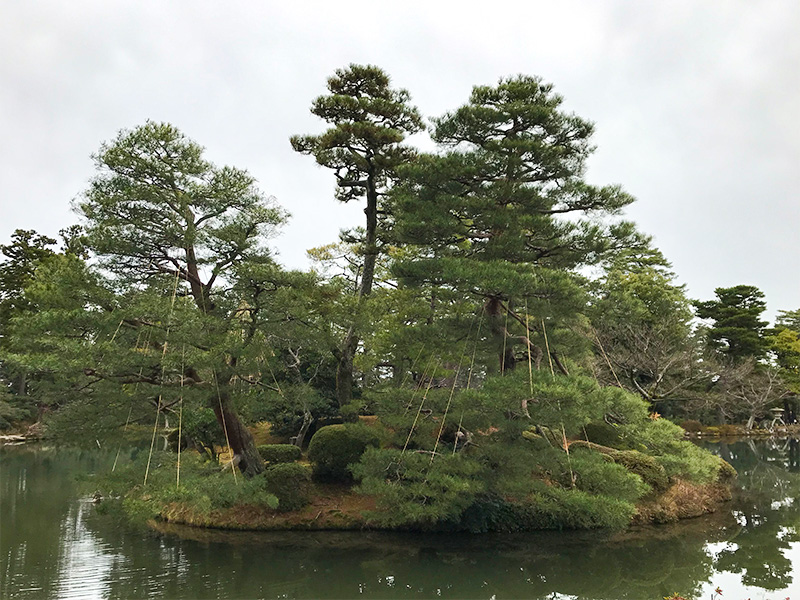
(692, 426)
(279, 453)
(603, 434)
(290, 483)
(335, 447)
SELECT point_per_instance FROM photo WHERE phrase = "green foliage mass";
(290, 483)
(279, 453)
(664, 441)
(646, 467)
(202, 488)
(334, 448)
(737, 329)
(537, 481)
(599, 476)
(414, 491)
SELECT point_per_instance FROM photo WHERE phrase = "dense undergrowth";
(511, 478)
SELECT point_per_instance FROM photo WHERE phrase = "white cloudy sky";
(697, 104)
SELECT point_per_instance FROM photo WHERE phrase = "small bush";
(279, 453)
(692, 426)
(290, 483)
(413, 491)
(602, 433)
(728, 430)
(598, 476)
(335, 447)
(557, 508)
(644, 466)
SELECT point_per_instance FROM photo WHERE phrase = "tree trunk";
(22, 384)
(789, 410)
(344, 368)
(238, 436)
(347, 350)
(750, 422)
(308, 419)
(497, 321)
(371, 241)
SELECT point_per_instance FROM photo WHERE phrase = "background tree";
(746, 390)
(25, 252)
(363, 148)
(737, 331)
(23, 255)
(784, 345)
(642, 322)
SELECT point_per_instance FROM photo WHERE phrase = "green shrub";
(646, 467)
(692, 426)
(602, 433)
(413, 491)
(690, 462)
(335, 447)
(290, 483)
(557, 508)
(203, 487)
(279, 453)
(548, 508)
(596, 475)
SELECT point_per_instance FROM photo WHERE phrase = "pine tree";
(737, 332)
(363, 148)
(503, 214)
(158, 213)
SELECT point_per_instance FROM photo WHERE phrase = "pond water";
(53, 544)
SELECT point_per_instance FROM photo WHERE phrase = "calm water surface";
(53, 544)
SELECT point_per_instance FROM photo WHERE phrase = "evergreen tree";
(737, 332)
(158, 212)
(363, 147)
(641, 322)
(503, 214)
(23, 255)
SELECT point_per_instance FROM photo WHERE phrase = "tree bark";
(497, 325)
(22, 384)
(308, 419)
(347, 350)
(238, 436)
(344, 368)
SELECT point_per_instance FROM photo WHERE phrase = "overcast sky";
(696, 105)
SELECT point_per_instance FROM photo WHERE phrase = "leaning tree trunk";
(238, 436)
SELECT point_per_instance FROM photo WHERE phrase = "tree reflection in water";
(753, 539)
(767, 510)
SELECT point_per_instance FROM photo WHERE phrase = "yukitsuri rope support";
(161, 389)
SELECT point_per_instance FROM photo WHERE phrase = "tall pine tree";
(504, 214)
(370, 120)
